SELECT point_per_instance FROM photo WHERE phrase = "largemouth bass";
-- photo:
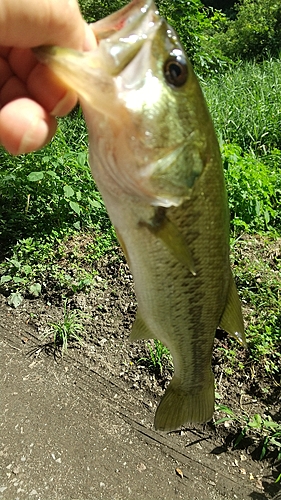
(156, 161)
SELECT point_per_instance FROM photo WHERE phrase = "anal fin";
(140, 330)
(232, 319)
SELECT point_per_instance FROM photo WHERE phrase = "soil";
(80, 426)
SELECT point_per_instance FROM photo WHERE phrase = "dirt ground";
(81, 426)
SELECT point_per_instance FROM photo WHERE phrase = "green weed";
(65, 267)
(47, 198)
(93, 10)
(267, 431)
(159, 357)
(257, 268)
(254, 189)
(231, 355)
(51, 192)
(66, 330)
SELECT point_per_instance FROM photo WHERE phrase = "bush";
(255, 33)
(50, 191)
(93, 10)
(195, 25)
(254, 189)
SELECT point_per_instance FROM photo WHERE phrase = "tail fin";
(179, 407)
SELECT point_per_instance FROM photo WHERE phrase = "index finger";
(28, 23)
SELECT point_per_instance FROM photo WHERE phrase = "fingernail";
(37, 129)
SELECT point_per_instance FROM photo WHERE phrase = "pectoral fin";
(140, 330)
(232, 320)
(169, 234)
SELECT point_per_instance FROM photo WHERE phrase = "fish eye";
(175, 70)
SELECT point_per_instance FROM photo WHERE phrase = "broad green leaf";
(266, 216)
(94, 203)
(75, 207)
(81, 159)
(53, 174)
(35, 176)
(68, 191)
(15, 263)
(27, 269)
(35, 289)
(5, 279)
(15, 299)
(17, 279)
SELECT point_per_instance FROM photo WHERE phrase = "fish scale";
(155, 158)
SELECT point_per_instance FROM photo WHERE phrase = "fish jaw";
(120, 36)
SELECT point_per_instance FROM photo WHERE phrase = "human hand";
(30, 95)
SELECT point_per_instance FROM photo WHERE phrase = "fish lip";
(122, 35)
(131, 15)
(119, 37)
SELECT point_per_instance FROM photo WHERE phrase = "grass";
(245, 105)
(66, 331)
(158, 358)
(261, 429)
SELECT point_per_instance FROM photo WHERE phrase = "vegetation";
(46, 197)
(93, 10)
(66, 331)
(159, 356)
(245, 105)
(254, 32)
(49, 198)
(263, 430)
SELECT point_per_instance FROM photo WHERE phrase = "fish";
(156, 161)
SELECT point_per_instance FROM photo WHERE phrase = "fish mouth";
(129, 18)
(119, 37)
